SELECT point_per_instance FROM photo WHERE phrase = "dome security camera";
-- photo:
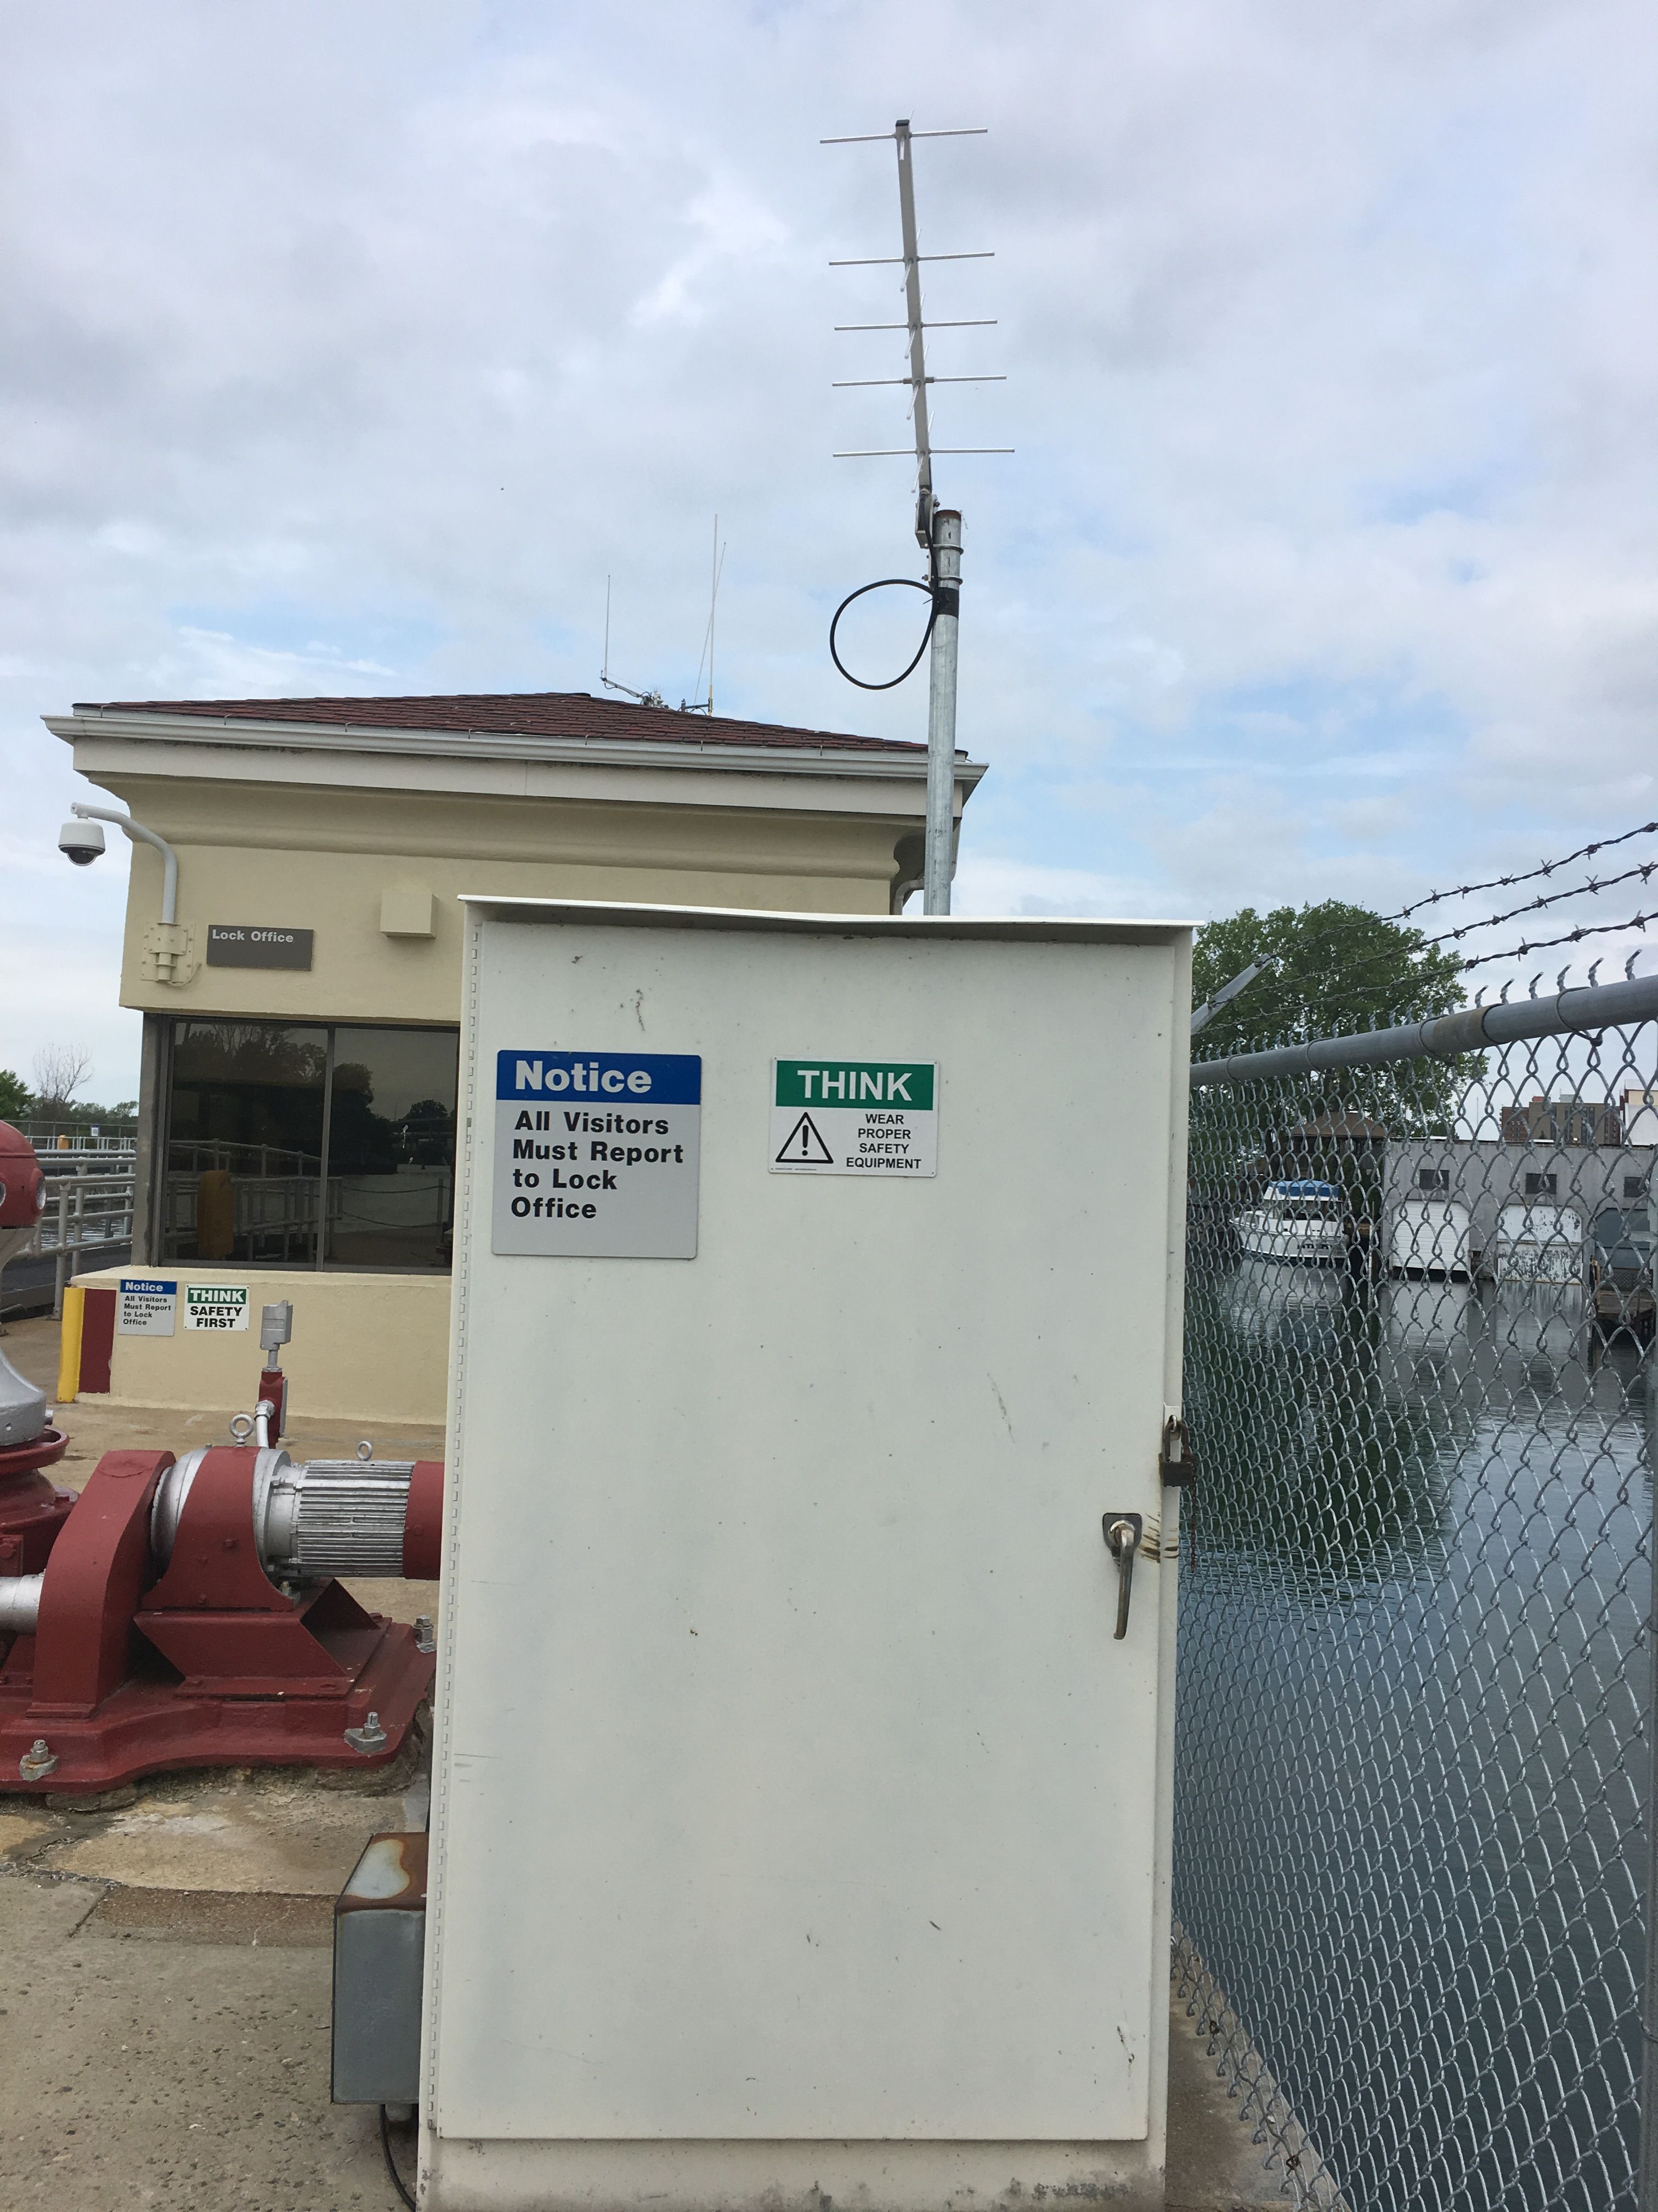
(83, 841)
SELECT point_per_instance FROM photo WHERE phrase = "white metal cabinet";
(796, 1814)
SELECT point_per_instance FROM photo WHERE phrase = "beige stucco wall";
(366, 1347)
(274, 832)
(319, 859)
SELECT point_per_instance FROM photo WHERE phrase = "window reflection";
(243, 1158)
(246, 1162)
(391, 1148)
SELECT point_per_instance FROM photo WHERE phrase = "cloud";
(353, 348)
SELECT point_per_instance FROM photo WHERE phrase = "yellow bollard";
(69, 1345)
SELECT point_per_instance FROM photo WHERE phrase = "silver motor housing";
(312, 1519)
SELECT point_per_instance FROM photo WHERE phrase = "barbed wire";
(1572, 937)
(1358, 997)
(1529, 875)
(1643, 872)
(1590, 890)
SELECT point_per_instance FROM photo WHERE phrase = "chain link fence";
(1412, 1756)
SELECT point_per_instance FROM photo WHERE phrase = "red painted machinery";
(185, 1612)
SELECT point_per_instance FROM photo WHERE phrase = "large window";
(310, 1146)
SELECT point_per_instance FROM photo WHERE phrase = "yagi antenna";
(938, 529)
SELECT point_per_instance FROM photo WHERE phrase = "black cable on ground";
(390, 2163)
(881, 585)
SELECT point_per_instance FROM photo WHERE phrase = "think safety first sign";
(854, 1117)
(596, 1154)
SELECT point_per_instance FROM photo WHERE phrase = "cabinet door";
(792, 1783)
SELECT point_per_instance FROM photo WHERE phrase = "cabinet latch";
(1179, 1469)
(1177, 1466)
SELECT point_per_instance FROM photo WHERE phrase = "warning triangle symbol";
(805, 1145)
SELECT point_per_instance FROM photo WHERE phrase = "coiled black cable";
(880, 584)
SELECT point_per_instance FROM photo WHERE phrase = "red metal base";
(212, 1665)
(39, 1451)
(31, 1507)
(149, 1724)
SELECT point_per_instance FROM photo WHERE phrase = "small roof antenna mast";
(938, 529)
(644, 698)
(706, 706)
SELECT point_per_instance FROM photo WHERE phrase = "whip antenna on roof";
(938, 529)
(716, 569)
(654, 698)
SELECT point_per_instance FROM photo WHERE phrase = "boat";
(1300, 1221)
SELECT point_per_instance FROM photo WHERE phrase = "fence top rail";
(1474, 1029)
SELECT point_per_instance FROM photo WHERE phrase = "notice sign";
(145, 1305)
(216, 1305)
(256, 945)
(596, 1154)
(857, 1118)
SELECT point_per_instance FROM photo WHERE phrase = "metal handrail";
(69, 1227)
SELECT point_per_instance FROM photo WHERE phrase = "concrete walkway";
(167, 1963)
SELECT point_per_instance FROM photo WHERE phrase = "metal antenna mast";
(938, 529)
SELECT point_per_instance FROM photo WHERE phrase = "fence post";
(1647, 2199)
(59, 1271)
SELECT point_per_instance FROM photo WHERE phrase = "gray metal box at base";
(380, 1948)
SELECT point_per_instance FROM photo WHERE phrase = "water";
(1410, 1840)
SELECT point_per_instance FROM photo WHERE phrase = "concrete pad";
(31, 1346)
(19, 1832)
(155, 2076)
(1213, 2165)
(261, 1835)
(172, 1915)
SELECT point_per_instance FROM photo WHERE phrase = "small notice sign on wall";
(146, 1305)
(216, 1305)
(854, 1117)
(256, 945)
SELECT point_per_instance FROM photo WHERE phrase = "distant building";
(1564, 1121)
(1486, 1174)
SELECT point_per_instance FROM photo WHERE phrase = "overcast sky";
(349, 347)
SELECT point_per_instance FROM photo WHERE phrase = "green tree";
(1334, 967)
(14, 1101)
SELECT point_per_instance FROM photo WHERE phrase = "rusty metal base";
(150, 1725)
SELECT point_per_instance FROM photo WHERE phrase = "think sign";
(857, 1118)
(596, 1154)
(216, 1305)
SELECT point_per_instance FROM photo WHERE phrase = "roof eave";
(239, 732)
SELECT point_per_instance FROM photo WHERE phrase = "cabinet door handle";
(1123, 1532)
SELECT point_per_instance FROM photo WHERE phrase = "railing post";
(58, 1276)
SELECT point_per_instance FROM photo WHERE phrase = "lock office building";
(300, 1014)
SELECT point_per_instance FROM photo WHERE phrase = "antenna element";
(938, 529)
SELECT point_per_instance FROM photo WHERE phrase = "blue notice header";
(607, 1078)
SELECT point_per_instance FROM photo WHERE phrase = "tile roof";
(514, 714)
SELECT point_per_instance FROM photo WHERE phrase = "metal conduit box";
(801, 1824)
